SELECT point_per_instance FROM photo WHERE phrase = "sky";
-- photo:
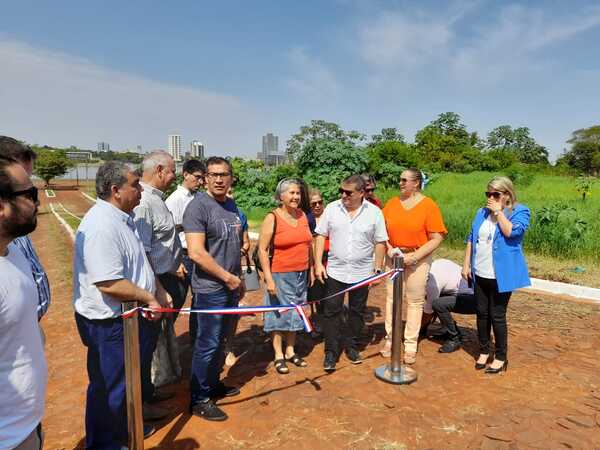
(226, 73)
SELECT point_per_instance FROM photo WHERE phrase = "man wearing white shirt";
(23, 369)
(356, 231)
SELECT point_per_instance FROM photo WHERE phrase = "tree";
(584, 154)
(519, 141)
(319, 129)
(386, 135)
(50, 164)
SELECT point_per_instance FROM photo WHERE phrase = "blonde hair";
(505, 185)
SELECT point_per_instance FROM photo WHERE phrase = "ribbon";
(246, 310)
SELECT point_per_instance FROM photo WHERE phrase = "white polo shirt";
(177, 202)
(351, 240)
(107, 247)
(445, 278)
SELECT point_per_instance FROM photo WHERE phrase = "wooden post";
(135, 422)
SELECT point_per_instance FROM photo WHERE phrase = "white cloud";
(311, 79)
(56, 99)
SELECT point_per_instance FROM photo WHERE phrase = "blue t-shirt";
(243, 219)
(222, 227)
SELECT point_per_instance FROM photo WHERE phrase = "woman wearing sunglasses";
(416, 227)
(494, 261)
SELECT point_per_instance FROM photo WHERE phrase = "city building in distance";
(197, 150)
(103, 147)
(175, 146)
(270, 151)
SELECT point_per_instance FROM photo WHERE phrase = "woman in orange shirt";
(286, 272)
(416, 227)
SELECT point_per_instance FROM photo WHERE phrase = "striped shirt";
(38, 272)
(156, 228)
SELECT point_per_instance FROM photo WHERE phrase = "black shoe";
(502, 368)
(481, 366)
(161, 396)
(209, 411)
(451, 345)
(222, 391)
(353, 355)
(441, 336)
(329, 362)
(149, 430)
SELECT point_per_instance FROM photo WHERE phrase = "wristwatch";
(378, 271)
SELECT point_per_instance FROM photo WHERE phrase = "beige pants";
(414, 283)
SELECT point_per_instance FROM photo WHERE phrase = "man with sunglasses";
(23, 368)
(370, 187)
(356, 231)
(24, 155)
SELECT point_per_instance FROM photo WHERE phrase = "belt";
(409, 249)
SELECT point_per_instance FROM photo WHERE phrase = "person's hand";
(466, 273)
(233, 282)
(181, 272)
(163, 298)
(152, 315)
(311, 277)
(410, 259)
(242, 289)
(376, 282)
(271, 288)
(494, 205)
(394, 251)
(320, 272)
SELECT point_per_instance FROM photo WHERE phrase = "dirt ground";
(549, 397)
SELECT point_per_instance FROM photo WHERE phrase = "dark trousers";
(105, 411)
(446, 305)
(209, 355)
(491, 313)
(177, 289)
(315, 292)
(332, 314)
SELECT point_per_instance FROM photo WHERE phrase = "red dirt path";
(549, 398)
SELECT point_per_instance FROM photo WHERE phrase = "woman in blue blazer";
(495, 263)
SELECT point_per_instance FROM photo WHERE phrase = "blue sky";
(129, 73)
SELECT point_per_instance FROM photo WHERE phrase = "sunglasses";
(31, 193)
(406, 180)
(496, 195)
(370, 190)
(317, 203)
(215, 175)
(345, 191)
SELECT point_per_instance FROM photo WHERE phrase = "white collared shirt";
(107, 247)
(351, 240)
(177, 202)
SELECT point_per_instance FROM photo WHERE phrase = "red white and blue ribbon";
(261, 309)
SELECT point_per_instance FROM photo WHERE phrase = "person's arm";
(320, 272)
(264, 241)
(516, 225)
(380, 251)
(196, 243)
(466, 268)
(125, 291)
(245, 243)
(435, 240)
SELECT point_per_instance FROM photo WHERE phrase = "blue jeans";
(209, 349)
(105, 410)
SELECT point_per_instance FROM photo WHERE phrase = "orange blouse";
(409, 227)
(292, 246)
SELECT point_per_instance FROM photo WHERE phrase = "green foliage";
(584, 185)
(584, 155)
(51, 164)
(386, 135)
(520, 174)
(131, 157)
(557, 229)
(387, 159)
(320, 130)
(519, 142)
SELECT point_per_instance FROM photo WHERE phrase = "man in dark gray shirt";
(213, 232)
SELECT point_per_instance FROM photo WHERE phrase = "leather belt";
(409, 249)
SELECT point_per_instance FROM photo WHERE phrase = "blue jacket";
(507, 253)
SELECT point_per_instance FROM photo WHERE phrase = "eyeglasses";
(31, 193)
(406, 180)
(215, 175)
(496, 195)
(345, 191)
(369, 189)
(198, 177)
(317, 203)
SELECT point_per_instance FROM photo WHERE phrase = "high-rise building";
(270, 154)
(197, 149)
(103, 147)
(175, 146)
(139, 149)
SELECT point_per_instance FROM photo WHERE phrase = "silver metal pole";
(135, 422)
(396, 372)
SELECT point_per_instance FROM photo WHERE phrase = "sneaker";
(451, 345)
(153, 412)
(222, 391)
(329, 362)
(353, 355)
(209, 411)
(410, 358)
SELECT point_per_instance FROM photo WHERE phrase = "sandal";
(297, 361)
(281, 366)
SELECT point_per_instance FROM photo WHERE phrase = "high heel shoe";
(479, 366)
(502, 368)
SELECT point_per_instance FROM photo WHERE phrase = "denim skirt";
(291, 288)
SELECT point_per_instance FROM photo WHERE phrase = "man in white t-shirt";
(447, 291)
(23, 369)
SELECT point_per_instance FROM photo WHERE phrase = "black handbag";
(255, 257)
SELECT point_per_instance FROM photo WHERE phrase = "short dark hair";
(356, 180)
(193, 165)
(111, 173)
(14, 149)
(6, 181)
(368, 178)
(214, 160)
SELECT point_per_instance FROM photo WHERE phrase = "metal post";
(396, 372)
(135, 422)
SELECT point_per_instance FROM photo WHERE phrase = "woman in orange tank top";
(286, 272)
